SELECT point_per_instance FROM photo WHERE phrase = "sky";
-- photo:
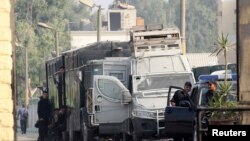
(103, 3)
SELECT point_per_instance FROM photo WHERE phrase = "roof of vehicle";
(204, 79)
(217, 77)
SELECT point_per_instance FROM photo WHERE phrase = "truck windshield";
(162, 81)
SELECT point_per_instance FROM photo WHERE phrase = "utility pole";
(91, 4)
(183, 26)
(26, 97)
(56, 40)
(26, 77)
(99, 24)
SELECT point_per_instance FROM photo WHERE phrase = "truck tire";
(88, 133)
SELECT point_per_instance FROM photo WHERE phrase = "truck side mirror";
(126, 97)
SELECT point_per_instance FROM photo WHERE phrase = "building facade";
(227, 17)
(121, 17)
(227, 25)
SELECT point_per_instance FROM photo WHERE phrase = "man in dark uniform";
(181, 94)
(44, 115)
(212, 88)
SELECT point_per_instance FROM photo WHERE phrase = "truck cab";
(157, 63)
(181, 121)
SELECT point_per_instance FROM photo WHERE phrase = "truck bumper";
(147, 128)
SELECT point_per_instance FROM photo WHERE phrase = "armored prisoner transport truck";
(124, 97)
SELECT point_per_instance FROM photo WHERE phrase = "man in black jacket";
(181, 94)
(44, 115)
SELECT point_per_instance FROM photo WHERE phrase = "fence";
(199, 129)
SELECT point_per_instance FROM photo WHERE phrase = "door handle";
(97, 108)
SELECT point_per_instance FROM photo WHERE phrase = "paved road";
(29, 136)
(32, 136)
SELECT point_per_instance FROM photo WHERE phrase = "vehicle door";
(108, 100)
(179, 120)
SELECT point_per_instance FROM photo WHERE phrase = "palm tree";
(220, 98)
(223, 45)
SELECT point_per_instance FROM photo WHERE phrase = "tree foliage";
(153, 11)
(39, 41)
(201, 20)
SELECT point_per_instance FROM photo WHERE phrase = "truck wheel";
(88, 134)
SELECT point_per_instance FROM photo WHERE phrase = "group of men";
(183, 95)
(50, 123)
(54, 122)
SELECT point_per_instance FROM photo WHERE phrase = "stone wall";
(6, 79)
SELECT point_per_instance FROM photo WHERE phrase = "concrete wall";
(6, 79)
(244, 55)
(244, 49)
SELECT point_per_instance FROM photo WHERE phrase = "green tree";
(223, 45)
(201, 20)
(153, 11)
(40, 42)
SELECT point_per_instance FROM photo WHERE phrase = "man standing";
(212, 88)
(44, 114)
(181, 94)
(23, 115)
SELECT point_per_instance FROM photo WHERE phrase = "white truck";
(127, 96)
